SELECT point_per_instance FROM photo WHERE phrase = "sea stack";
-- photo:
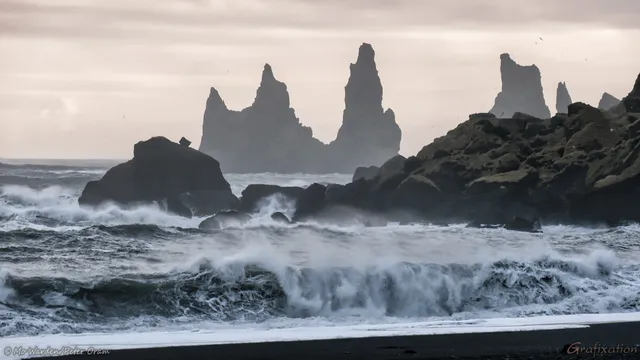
(607, 101)
(264, 137)
(369, 135)
(268, 137)
(563, 99)
(521, 90)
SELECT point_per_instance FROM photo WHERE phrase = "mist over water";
(68, 269)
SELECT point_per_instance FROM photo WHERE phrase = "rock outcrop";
(607, 101)
(563, 99)
(521, 90)
(268, 137)
(365, 172)
(582, 166)
(185, 180)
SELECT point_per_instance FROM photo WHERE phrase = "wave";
(240, 291)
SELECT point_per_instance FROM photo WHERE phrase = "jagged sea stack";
(268, 137)
(563, 99)
(369, 135)
(607, 101)
(264, 137)
(521, 90)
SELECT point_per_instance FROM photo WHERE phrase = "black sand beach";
(603, 341)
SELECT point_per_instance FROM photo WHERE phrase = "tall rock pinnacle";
(268, 137)
(368, 134)
(563, 99)
(271, 93)
(521, 90)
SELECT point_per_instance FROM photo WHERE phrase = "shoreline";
(608, 340)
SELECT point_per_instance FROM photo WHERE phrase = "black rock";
(280, 217)
(185, 142)
(163, 171)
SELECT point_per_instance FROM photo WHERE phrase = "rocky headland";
(583, 166)
(268, 137)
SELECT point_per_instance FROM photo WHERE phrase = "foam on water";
(67, 269)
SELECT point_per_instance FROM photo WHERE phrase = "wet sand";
(607, 341)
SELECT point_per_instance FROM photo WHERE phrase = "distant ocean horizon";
(90, 162)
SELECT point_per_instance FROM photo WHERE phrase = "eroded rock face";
(521, 90)
(607, 101)
(165, 172)
(268, 137)
(563, 99)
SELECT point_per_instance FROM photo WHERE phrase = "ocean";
(70, 270)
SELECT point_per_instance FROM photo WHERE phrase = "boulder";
(280, 217)
(185, 142)
(310, 202)
(365, 172)
(165, 172)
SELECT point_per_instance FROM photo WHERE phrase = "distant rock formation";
(563, 99)
(367, 131)
(268, 137)
(608, 101)
(521, 91)
(264, 137)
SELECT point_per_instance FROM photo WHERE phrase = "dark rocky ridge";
(268, 137)
(186, 180)
(563, 99)
(583, 166)
(521, 90)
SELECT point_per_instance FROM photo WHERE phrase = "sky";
(89, 78)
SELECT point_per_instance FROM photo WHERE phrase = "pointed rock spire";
(364, 88)
(272, 94)
(607, 101)
(521, 90)
(214, 101)
(368, 135)
(563, 99)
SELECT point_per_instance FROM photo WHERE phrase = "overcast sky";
(89, 78)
